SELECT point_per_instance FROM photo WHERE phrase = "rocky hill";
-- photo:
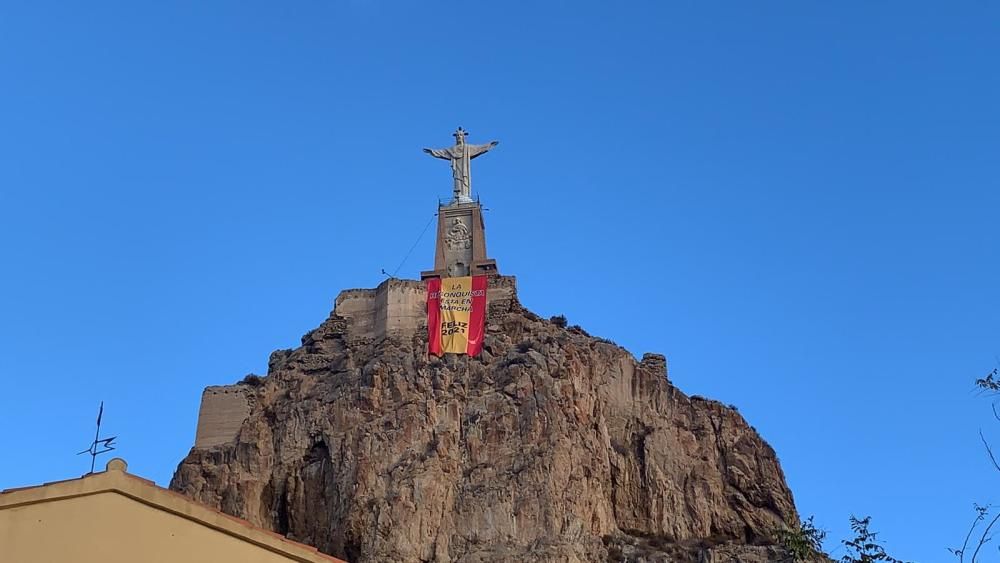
(551, 446)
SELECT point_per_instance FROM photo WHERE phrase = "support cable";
(412, 248)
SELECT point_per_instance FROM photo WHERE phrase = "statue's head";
(460, 135)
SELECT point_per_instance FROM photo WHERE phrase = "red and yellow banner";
(456, 315)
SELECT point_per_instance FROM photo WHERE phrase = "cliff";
(551, 446)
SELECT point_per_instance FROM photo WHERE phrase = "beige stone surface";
(400, 308)
(395, 308)
(357, 307)
(551, 446)
(223, 410)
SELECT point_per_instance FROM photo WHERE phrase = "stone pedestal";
(461, 243)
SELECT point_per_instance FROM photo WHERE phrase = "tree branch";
(983, 539)
(979, 517)
(988, 450)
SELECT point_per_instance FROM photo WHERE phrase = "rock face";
(551, 446)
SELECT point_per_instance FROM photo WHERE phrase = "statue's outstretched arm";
(439, 153)
(476, 150)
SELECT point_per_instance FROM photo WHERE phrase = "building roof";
(115, 479)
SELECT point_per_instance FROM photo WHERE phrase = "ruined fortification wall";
(223, 410)
(396, 308)
(357, 307)
(400, 308)
(501, 295)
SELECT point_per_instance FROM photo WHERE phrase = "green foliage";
(802, 544)
(252, 380)
(865, 547)
(559, 320)
(990, 382)
(991, 385)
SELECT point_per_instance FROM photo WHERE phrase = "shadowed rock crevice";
(552, 446)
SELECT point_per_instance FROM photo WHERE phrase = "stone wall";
(501, 295)
(400, 308)
(357, 308)
(223, 410)
(395, 308)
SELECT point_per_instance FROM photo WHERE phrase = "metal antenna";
(99, 445)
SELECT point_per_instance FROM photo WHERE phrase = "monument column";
(460, 248)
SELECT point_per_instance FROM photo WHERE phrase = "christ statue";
(460, 154)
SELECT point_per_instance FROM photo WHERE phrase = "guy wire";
(415, 243)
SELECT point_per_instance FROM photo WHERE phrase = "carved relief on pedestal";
(458, 237)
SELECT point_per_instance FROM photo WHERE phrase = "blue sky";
(796, 202)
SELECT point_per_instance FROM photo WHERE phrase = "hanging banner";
(456, 315)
